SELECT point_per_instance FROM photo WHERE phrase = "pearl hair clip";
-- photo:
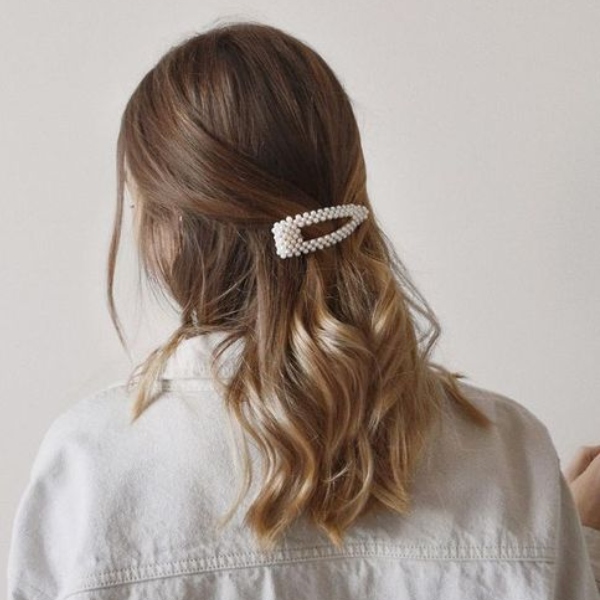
(288, 237)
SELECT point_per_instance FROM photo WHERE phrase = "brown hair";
(233, 129)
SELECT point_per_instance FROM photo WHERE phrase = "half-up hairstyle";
(233, 129)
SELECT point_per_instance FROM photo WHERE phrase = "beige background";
(481, 128)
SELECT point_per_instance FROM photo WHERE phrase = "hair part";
(235, 128)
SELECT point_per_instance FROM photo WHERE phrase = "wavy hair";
(233, 129)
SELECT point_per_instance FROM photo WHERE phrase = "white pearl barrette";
(288, 237)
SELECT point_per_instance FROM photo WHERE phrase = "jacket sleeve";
(574, 574)
(592, 538)
(45, 521)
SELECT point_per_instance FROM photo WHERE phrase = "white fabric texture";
(115, 511)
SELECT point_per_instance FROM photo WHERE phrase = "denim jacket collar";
(191, 359)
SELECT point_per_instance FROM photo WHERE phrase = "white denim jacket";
(114, 512)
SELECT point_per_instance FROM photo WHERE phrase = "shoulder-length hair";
(233, 129)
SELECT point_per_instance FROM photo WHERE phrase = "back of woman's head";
(233, 129)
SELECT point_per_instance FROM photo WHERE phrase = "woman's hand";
(583, 476)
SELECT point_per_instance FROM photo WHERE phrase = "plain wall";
(481, 130)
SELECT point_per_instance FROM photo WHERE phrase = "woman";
(299, 377)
